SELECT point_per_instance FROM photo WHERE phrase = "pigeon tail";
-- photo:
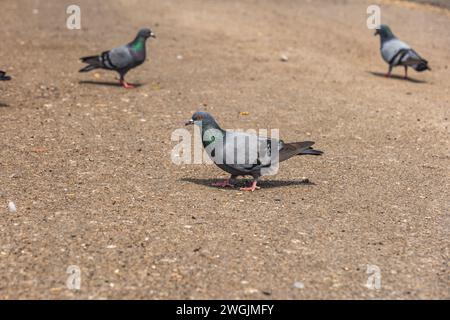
(311, 152)
(93, 62)
(290, 150)
(422, 66)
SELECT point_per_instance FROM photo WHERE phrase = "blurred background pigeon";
(121, 59)
(242, 154)
(397, 53)
(3, 76)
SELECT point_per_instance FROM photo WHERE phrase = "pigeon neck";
(211, 133)
(138, 44)
(210, 126)
(386, 36)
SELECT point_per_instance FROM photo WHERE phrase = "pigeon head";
(146, 33)
(203, 118)
(384, 32)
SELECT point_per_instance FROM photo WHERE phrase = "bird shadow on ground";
(396, 77)
(243, 182)
(106, 83)
(3, 105)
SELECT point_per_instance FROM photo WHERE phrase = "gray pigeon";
(397, 53)
(3, 76)
(243, 154)
(121, 59)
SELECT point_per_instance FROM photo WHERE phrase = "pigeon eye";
(199, 118)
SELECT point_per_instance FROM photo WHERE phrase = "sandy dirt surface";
(88, 164)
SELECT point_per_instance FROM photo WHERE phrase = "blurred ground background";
(441, 3)
(88, 164)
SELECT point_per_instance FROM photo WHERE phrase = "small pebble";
(251, 291)
(298, 285)
(12, 207)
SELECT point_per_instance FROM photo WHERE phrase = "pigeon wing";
(118, 58)
(392, 50)
(412, 58)
(248, 153)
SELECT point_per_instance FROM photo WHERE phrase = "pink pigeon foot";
(127, 85)
(252, 188)
(223, 184)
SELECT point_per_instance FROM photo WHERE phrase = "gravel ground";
(87, 163)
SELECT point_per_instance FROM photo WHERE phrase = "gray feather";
(121, 58)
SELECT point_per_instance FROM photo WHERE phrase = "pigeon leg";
(406, 72)
(253, 187)
(225, 183)
(389, 72)
(125, 84)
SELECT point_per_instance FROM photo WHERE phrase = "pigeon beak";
(190, 122)
(153, 35)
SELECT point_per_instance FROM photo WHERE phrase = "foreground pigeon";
(242, 154)
(121, 59)
(3, 76)
(397, 53)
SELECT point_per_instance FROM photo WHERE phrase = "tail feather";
(89, 68)
(290, 150)
(311, 152)
(422, 66)
(414, 60)
(90, 59)
(93, 62)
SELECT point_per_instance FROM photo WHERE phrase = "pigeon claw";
(252, 188)
(223, 184)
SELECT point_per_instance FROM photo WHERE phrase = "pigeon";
(243, 154)
(397, 53)
(121, 59)
(3, 76)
